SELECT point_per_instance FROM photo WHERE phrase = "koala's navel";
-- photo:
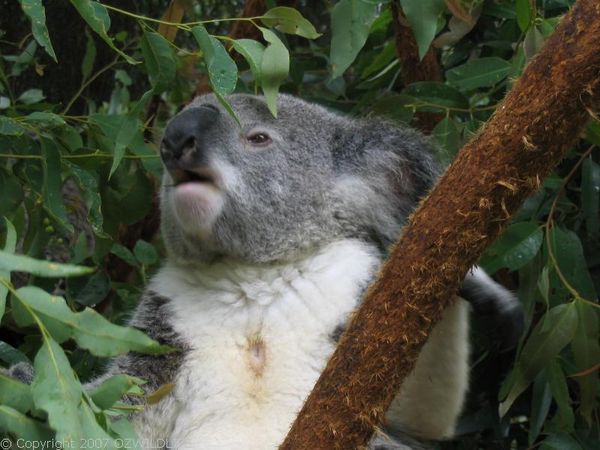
(257, 355)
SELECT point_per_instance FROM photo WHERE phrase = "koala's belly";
(244, 391)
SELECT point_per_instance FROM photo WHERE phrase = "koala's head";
(276, 188)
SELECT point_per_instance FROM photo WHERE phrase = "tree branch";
(529, 134)
(413, 68)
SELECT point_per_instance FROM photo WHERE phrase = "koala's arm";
(431, 398)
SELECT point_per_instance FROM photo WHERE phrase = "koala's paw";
(491, 299)
(22, 371)
(383, 441)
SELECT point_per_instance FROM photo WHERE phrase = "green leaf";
(253, 52)
(351, 21)
(45, 119)
(560, 441)
(447, 135)
(423, 16)
(222, 71)
(432, 96)
(289, 20)
(524, 13)
(56, 391)
(125, 254)
(159, 60)
(34, 9)
(53, 198)
(479, 72)
(275, 68)
(568, 251)
(96, 16)
(24, 427)
(590, 196)
(88, 185)
(560, 392)
(88, 328)
(15, 394)
(548, 338)
(145, 253)
(21, 263)
(10, 244)
(541, 399)
(586, 349)
(10, 127)
(111, 390)
(514, 248)
(31, 96)
(11, 355)
(94, 291)
(89, 58)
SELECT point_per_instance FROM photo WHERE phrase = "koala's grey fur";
(331, 177)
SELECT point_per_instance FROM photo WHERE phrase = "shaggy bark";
(413, 68)
(529, 134)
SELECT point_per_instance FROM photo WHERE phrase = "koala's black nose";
(183, 142)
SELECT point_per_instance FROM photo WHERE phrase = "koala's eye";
(259, 139)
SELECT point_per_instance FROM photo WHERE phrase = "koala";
(273, 229)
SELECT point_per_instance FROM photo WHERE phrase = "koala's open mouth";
(181, 176)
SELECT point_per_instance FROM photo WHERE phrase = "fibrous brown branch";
(414, 68)
(530, 132)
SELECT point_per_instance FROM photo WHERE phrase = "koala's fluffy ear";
(382, 171)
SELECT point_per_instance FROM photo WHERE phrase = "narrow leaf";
(222, 71)
(514, 248)
(275, 68)
(15, 394)
(159, 60)
(32, 431)
(351, 21)
(253, 52)
(423, 16)
(34, 9)
(289, 20)
(10, 244)
(590, 196)
(56, 391)
(21, 263)
(53, 198)
(548, 338)
(96, 16)
(480, 72)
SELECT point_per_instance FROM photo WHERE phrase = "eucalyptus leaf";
(112, 389)
(96, 16)
(275, 67)
(10, 243)
(15, 394)
(479, 72)
(222, 70)
(24, 427)
(253, 52)
(56, 391)
(88, 328)
(34, 9)
(423, 17)
(289, 20)
(590, 196)
(517, 245)
(351, 21)
(549, 337)
(158, 59)
(10, 127)
(21, 263)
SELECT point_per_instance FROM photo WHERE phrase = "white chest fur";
(259, 338)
